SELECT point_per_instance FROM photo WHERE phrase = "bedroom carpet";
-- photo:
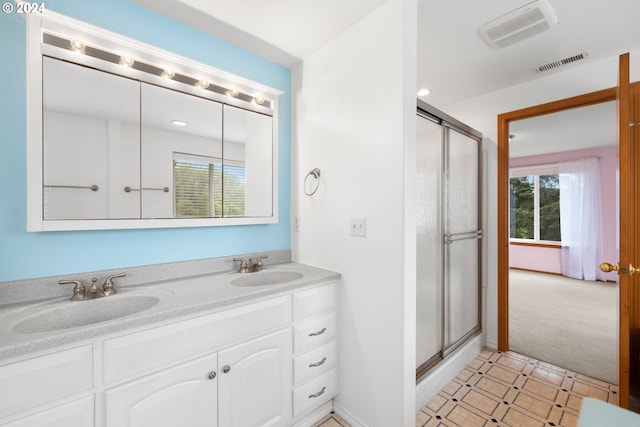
(566, 322)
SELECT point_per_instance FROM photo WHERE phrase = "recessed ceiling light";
(178, 122)
(424, 92)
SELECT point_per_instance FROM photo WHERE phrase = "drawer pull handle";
(315, 365)
(212, 375)
(320, 332)
(226, 369)
(318, 394)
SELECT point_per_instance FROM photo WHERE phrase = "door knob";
(606, 267)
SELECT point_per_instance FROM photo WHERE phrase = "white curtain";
(580, 218)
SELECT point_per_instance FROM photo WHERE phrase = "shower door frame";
(448, 123)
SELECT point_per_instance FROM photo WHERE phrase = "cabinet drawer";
(315, 393)
(34, 382)
(148, 350)
(78, 413)
(318, 331)
(314, 362)
(314, 301)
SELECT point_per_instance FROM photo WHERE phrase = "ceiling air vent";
(519, 24)
(562, 62)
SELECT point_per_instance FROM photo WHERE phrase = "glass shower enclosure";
(449, 236)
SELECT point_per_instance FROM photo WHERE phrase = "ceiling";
(454, 63)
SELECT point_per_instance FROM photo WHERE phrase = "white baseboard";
(347, 416)
(313, 417)
(447, 370)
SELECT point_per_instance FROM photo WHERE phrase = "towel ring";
(315, 172)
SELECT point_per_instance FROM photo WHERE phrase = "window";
(234, 188)
(197, 181)
(534, 205)
(199, 187)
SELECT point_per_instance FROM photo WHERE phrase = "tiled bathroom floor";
(507, 390)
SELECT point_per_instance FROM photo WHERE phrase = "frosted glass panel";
(429, 240)
(461, 289)
(462, 182)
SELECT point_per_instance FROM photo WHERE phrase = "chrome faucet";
(80, 293)
(247, 266)
(94, 292)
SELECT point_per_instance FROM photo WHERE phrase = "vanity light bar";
(72, 45)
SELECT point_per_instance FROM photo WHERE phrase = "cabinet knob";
(212, 375)
(226, 369)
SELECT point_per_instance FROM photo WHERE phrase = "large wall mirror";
(139, 147)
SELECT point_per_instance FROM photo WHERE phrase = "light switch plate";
(359, 227)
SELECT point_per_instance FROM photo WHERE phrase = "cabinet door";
(255, 382)
(182, 396)
(78, 413)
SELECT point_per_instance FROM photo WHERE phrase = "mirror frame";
(52, 22)
(605, 95)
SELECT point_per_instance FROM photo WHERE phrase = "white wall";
(481, 113)
(354, 109)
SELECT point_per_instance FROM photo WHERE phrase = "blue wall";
(28, 255)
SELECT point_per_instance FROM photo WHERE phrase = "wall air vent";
(519, 24)
(562, 62)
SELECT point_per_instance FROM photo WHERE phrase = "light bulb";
(126, 61)
(77, 46)
(168, 74)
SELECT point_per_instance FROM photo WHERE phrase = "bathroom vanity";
(223, 349)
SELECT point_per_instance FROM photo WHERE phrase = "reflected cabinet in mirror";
(127, 150)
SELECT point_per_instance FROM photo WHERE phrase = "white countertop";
(177, 298)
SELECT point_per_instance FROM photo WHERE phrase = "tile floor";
(332, 420)
(507, 390)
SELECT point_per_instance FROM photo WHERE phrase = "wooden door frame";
(504, 119)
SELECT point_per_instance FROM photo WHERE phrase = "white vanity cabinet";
(254, 387)
(315, 356)
(52, 390)
(267, 362)
(186, 394)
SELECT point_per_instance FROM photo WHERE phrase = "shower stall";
(449, 236)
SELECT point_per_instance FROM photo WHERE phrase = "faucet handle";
(259, 261)
(108, 287)
(78, 290)
(244, 264)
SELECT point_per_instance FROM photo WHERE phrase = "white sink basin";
(73, 314)
(264, 278)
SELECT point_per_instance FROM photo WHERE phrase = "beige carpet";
(569, 323)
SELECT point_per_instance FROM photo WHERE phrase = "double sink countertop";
(31, 326)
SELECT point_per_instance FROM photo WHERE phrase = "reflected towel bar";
(89, 187)
(128, 189)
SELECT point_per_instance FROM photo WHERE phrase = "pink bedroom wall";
(549, 259)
